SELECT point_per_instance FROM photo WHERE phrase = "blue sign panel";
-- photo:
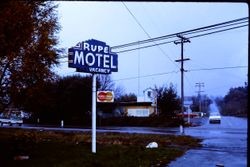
(93, 56)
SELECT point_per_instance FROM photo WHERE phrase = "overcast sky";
(113, 23)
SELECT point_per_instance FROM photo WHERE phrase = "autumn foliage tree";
(28, 50)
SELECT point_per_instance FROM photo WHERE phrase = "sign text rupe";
(93, 56)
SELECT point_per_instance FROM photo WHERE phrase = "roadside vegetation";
(235, 102)
(69, 99)
(67, 149)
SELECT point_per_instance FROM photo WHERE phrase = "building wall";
(139, 111)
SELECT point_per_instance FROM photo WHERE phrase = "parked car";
(214, 118)
(11, 120)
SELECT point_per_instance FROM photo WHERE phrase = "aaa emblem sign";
(105, 96)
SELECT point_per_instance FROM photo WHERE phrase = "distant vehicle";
(214, 118)
(13, 116)
(11, 120)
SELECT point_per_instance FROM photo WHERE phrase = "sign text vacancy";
(93, 56)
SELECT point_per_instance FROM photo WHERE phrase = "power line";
(145, 76)
(218, 31)
(136, 21)
(231, 23)
(217, 68)
(196, 36)
(165, 73)
(218, 25)
(138, 43)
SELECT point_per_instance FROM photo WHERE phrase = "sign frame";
(92, 56)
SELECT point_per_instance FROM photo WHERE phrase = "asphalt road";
(224, 144)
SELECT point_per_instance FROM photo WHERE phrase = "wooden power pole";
(182, 41)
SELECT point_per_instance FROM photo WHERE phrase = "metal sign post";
(94, 113)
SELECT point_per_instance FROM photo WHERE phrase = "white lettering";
(112, 62)
(100, 48)
(99, 70)
(96, 58)
(93, 48)
(99, 59)
(106, 49)
(90, 63)
(78, 58)
(86, 46)
(105, 61)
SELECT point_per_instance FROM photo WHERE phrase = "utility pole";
(182, 41)
(199, 85)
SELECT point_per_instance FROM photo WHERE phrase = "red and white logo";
(105, 96)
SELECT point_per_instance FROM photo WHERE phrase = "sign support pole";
(94, 113)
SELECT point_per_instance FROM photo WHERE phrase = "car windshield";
(215, 114)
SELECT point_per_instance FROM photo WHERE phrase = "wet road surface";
(224, 144)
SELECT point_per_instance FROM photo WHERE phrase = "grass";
(64, 149)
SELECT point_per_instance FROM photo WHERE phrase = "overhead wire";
(189, 83)
(195, 36)
(136, 21)
(170, 72)
(188, 32)
(218, 31)
(230, 24)
(245, 19)
(149, 75)
(138, 43)
(217, 68)
(177, 71)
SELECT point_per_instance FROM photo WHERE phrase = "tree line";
(235, 103)
(70, 99)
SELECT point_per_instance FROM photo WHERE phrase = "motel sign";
(92, 56)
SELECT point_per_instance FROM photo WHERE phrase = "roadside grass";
(73, 149)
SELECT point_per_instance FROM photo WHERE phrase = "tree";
(27, 46)
(75, 98)
(235, 102)
(167, 100)
(131, 97)
(68, 99)
(105, 83)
